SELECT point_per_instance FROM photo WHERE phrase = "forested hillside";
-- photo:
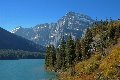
(89, 57)
(12, 41)
(16, 47)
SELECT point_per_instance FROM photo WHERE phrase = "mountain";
(14, 42)
(43, 34)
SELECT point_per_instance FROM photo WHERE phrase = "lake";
(25, 69)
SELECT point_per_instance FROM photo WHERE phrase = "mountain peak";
(15, 30)
(43, 34)
(77, 17)
(70, 13)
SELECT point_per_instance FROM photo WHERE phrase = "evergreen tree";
(62, 52)
(47, 58)
(50, 57)
(117, 33)
(102, 44)
(106, 22)
(53, 55)
(70, 52)
(112, 33)
(78, 52)
(58, 59)
(83, 49)
(87, 42)
(96, 27)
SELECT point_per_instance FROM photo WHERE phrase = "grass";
(110, 66)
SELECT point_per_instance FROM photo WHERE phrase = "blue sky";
(28, 13)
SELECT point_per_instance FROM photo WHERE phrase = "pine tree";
(102, 44)
(87, 42)
(58, 59)
(106, 22)
(53, 56)
(96, 27)
(78, 52)
(83, 49)
(50, 57)
(70, 52)
(62, 52)
(112, 33)
(47, 58)
(117, 33)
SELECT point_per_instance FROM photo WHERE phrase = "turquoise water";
(25, 69)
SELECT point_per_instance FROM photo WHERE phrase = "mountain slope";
(12, 41)
(97, 67)
(43, 34)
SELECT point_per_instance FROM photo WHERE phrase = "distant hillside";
(14, 42)
(44, 34)
(9, 54)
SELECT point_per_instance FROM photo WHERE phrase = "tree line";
(9, 54)
(99, 36)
